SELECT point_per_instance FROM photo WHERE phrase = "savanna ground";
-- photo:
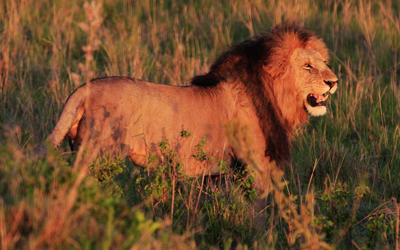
(339, 190)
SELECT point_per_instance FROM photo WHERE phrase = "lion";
(269, 84)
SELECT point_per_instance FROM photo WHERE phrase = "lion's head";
(314, 78)
(302, 79)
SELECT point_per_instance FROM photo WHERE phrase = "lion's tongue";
(320, 98)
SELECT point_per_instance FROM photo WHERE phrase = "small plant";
(379, 227)
(105, 169)
(248, 184)
(200, 154)
(338, 210)
(185, 133)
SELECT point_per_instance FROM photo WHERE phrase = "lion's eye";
(307, 66)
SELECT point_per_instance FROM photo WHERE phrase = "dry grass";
(338, 187)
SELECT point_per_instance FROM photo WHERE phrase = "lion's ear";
(318, 45)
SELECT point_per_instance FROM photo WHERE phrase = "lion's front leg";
(263, 184)
(259, 213)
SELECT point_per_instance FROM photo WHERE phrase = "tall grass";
(341, 185)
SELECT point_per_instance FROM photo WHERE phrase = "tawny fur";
(261, 84)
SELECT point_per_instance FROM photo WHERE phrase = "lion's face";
(314, 79)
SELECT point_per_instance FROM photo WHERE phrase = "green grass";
(349, 160)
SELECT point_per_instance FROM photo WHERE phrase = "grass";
(342, 182)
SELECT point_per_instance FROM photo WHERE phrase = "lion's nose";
(331, 84)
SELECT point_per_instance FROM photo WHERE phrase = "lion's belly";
(199, 152)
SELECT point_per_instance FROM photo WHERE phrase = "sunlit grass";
(348, 159)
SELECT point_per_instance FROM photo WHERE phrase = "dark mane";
(244, 63)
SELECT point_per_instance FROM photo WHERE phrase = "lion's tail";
(71, 114)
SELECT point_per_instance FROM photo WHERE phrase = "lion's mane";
(262, 66)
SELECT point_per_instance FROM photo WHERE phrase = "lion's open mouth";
(317, 100)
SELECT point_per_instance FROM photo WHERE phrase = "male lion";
(269, 84)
